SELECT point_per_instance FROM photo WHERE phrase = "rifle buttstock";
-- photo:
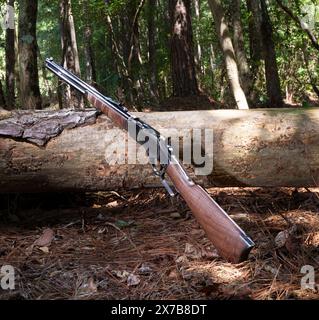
(230, 241)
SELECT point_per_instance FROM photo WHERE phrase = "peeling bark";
(41, 127)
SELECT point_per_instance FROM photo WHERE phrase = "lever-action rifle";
(228, 238)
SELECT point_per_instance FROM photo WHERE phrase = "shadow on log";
(74, 150)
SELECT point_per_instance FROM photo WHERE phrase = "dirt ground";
(139, 245)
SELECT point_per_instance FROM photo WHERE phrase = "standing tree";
(239, 46)
(128, 42)
(254, 39)
(135, 55)
(182, 53)
(269, 51)
(152, 50)
(264, 27)
(2, 98)
(70, 57)
(229, 53)
(30, 97)
(90, 71)
(198, 51)
(10, 59)
(119, 64)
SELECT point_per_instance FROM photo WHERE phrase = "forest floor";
(136, 245)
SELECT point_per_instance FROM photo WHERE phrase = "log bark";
(70, 151)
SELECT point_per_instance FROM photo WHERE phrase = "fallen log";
(70, 151)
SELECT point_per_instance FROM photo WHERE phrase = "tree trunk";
(135, 61)
(90, 71)
(165, 88)
(152, 50)
(268, 147)
(254, 22)
(182, 53)
(135, 56)
(120, 61)
(17, 64)
(254, 40)
(10, 64)
(271, 68)
(129, 38)
(310, 69)
(30, 97)
(229, 54)
(3, 104)
(70, 56)
(129, 45)
(198, 52)
(239, 46)
(212, 61)
(264, 28)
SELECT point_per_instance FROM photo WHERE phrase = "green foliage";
(297, 58)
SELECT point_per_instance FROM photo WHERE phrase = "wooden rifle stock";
(230, 241)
